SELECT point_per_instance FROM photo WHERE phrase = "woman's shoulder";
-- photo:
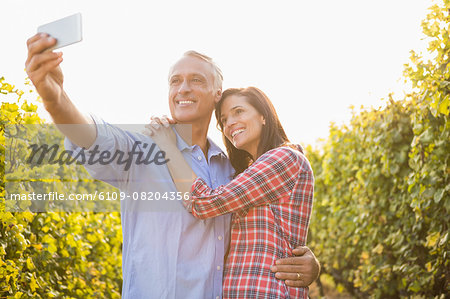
(290, 154)
(287, 150)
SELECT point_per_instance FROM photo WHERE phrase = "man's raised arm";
(43, 69)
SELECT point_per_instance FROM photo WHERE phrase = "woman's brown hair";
(272, 134)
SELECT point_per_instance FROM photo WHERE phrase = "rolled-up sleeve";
(110, 139)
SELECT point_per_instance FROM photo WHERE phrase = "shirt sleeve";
(114, 140)
(273, 176)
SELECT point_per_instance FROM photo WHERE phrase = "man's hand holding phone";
(42, 64)
(43, 68)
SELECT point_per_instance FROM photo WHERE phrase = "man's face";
(191, 91)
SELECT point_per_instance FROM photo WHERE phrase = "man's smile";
(184, 102)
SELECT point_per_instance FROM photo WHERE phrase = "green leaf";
(438, 195)
(432, 239)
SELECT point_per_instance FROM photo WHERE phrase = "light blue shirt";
(167, 253)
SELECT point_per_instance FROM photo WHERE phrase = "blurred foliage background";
(380, 223)
(47, 255)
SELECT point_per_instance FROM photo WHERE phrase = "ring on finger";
(298, 276)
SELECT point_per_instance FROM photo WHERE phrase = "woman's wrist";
(168, 147)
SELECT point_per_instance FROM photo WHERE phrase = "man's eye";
(239, 111)
(174, 81)
(196, 80)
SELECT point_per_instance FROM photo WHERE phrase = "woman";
(271, 195)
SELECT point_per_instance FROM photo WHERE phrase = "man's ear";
(218, 95)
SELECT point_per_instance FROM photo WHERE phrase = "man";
(167, 253)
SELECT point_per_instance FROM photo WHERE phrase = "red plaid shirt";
(272, 202)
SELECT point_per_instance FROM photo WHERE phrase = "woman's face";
(242, 123)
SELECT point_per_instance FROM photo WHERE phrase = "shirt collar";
(181, 144)
(214, 149)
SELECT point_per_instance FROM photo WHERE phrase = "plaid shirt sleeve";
(271, 177)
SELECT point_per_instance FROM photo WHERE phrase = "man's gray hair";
(218, 76)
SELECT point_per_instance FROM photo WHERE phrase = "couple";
(271, 195)
(166, 253)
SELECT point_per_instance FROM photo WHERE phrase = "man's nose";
(184, 87)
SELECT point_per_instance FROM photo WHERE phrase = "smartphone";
(66, 31)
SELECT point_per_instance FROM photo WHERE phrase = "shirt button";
(218, 267)
(199, 158)
(219, 237)
(217, 297)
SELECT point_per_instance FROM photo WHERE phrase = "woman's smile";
(242, 123)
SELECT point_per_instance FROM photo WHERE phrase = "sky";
(314, 59)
